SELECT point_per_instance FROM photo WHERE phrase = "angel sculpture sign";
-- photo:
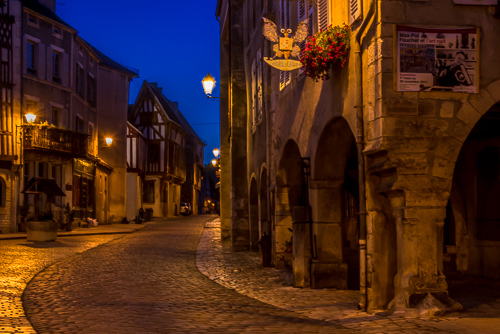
(285, 46)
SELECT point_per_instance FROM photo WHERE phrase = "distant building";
(174, 153)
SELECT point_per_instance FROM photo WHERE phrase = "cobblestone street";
(150, 282)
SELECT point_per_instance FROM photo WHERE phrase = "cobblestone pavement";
(21, 260)
(148, 282)
(242, 272)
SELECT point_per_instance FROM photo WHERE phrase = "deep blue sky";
(172, 42)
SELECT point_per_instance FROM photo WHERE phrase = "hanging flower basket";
(325, 48)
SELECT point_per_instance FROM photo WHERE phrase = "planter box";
(41, 231)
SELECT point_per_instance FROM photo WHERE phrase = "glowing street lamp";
(30, 117)
(214, 162)
(208, 86)
(109, 141)
(216, 152)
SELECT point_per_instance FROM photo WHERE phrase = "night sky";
(172, 42)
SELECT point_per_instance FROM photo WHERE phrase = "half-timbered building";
(167, 133)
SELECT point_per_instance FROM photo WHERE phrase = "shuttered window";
(284, 24)
(355, 9)
(323, 14)
(305, 11)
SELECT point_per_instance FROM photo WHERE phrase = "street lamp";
(109, 141)
(30, 117)
(208, 86)
(216, 152)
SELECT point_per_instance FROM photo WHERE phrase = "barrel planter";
(42, 230)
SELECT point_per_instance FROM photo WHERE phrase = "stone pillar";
(301, 247)
(238, 198)
(419, 282)
(327, 269)
(283, 230)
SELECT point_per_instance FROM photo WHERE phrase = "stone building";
(174, 153)
(384, 178)
(53, 74)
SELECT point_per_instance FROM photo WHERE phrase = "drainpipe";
(365, 25)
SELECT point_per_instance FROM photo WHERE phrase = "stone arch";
(334, 193)
(290, 192)
(253, 213)
(471, 233)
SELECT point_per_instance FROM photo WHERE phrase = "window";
(79, 124)
(306, 11)
(32, 21)
(79, 80)
(148, 191)
(154, 152)
(56, 66)
(91, 90)
(284, 24)
(323, 14)
(57, 117)
(42, 169)
(30, 57)
(57, 32)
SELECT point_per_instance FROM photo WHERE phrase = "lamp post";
(208, 83)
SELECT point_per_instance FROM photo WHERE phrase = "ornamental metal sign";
(285, 47)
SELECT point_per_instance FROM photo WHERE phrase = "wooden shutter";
(49, 63)
(41, 61)
(65, 69)
(323, 14)
(355, 9)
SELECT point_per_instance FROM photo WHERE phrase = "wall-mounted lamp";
(214, 162)
(208, 86)
(30, 117)
(109, 141)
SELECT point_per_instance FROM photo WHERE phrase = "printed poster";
(437, 59)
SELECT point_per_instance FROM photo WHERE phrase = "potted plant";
(325, 48)
(69, 217)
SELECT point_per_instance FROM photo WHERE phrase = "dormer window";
(57, 32)
(32, 21)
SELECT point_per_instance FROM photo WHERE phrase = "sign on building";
(430, 59)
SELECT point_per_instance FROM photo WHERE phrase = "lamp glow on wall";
(208, 86)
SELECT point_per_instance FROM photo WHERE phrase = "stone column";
(301, 247)
(419, 282)
(327, 269)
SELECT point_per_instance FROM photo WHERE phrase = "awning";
(38, 185)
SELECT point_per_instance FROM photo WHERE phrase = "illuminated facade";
(383, 178)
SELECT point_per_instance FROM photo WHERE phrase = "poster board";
(436, 59)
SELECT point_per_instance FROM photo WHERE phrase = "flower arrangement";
(325, 48)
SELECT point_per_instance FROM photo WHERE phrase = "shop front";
(83, 189)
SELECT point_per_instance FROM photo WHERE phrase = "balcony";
(53, 139)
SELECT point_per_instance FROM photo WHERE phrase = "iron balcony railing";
(55, 139)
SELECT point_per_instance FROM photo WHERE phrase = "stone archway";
(254, 215)
(471, 238)
(290, 192)
(334, 193)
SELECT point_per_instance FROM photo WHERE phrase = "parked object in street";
(185, 209)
